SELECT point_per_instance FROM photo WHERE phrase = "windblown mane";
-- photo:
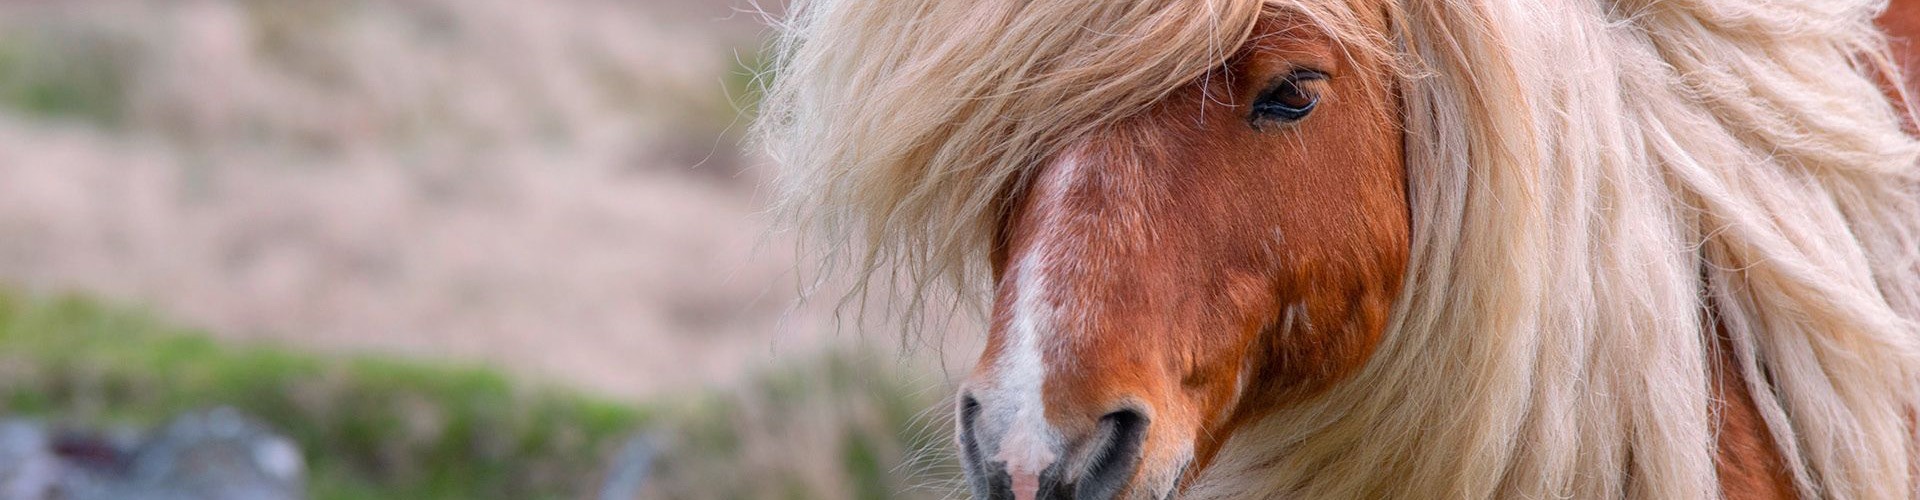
(1593, 190)
(907, 125)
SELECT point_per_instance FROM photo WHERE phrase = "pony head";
(1167, 276)
(1199, 210)
(1376, 248)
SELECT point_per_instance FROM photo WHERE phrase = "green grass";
(845, 425)
(371, 427)
(880, 428)
(80, 79)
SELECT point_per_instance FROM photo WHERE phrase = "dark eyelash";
(1286, 100)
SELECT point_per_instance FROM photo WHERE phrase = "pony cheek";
(1220, 394)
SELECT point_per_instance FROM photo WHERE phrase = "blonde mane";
(1594, 187)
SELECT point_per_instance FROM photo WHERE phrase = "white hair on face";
(1588, 178)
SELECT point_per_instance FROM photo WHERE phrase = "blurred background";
(421, 249)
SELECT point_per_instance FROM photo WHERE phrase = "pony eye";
(1288, 100)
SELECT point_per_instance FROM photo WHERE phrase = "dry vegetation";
(544, 185)
(553, 188)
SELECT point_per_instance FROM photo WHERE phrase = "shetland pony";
(1384, 248)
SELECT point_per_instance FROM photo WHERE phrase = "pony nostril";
(969, 408)
(979, 477)
(1113, 462)
(969, 411)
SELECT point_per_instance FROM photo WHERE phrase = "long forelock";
(907, 127)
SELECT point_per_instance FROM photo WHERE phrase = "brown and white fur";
(1519, 249)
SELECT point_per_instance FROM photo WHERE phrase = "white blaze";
(1014, 397)
(1027, 445)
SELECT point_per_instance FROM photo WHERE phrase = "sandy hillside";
(555, 187)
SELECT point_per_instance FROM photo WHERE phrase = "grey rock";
(28, 467)
(627, 475)
(217, 454)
